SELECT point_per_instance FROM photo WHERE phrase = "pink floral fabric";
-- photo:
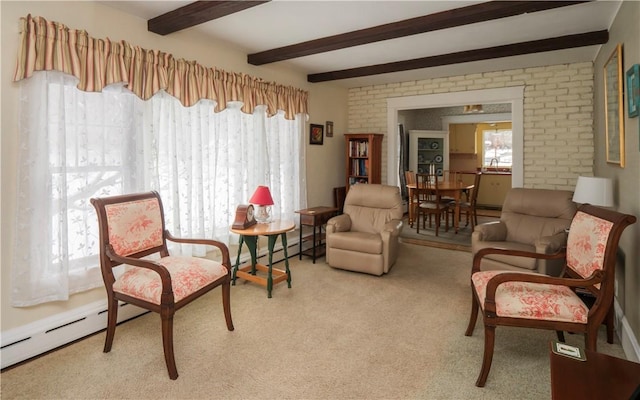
(134, 226)
(188, 274)
(586, 243)
(532, 300)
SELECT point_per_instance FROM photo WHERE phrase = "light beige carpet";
(333, 335)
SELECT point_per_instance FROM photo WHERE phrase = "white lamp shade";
(595, 191)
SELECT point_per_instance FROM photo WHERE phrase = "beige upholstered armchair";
(365, 237)
(532, 220)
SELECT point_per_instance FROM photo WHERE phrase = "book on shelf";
(358, 148)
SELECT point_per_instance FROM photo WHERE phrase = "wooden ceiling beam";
(515, 49)
(196, 13)
(442, 20)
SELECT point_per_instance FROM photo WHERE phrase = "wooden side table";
(249, 237)
(315, 217)
(600, 376)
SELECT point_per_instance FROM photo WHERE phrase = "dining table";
(453, 189)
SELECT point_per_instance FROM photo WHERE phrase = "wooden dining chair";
(410, 177)
(429, 202)
(534, 300)
(132, 228)
(469, 207)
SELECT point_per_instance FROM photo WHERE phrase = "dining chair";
(429, 202)
(410, 177)
(534, 300)
(132, 230)
(469, 207)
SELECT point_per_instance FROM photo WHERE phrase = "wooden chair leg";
(226, 304)
(167, 343)
(112, 321)
(489, 340)
(474, 315)
(446, 221)
(591, 339)
(609, 321)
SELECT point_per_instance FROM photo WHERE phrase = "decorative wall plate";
(435, 145)
(438, 158)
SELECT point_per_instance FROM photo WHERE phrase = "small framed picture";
(316, 134)
(329, 128)
(633, 90)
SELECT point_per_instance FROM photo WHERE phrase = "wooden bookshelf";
(363, 158)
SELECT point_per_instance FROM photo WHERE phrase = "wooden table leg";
(272, 243)
(456, 220)
(283, 239)
(251, 242)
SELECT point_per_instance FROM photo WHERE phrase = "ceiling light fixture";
(473, 109)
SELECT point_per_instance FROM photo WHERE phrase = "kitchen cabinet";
(462, 138)
(493, 189)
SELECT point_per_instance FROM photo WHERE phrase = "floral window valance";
(97, 63)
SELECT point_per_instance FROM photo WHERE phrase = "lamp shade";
(595, 191)
(262, 197)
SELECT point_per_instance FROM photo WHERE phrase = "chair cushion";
(361, 242)
(188, 274)
(533, 213)
(371, 206)
(587, 243)
(532, 300)
(134, 226)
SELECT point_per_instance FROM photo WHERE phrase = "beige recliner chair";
(531, 220)
(365, 237)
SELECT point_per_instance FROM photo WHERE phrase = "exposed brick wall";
(558, 116)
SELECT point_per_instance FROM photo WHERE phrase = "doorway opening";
(513, 96)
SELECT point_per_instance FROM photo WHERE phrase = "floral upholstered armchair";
(131, 228)
(534, 300)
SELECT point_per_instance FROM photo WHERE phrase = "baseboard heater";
(34, 339)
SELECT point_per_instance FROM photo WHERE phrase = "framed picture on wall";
(633, 90)
(614, 107)
(316, 134)
(329, 128)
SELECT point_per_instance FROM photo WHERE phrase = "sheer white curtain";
(76, 145)
(205, 164)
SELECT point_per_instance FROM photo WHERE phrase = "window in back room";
(496, 144)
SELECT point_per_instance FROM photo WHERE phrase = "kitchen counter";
(498, 171)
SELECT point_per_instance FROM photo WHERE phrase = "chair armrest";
(226, 261)
(339, 223)
(165, 277)
(495, 231)
(394, 227)
(551, 244)
(477, 258)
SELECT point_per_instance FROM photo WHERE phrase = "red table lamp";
(263, 201)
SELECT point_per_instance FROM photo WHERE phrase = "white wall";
(326, 101)
(625, 30)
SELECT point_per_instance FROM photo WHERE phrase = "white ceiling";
(281, 22)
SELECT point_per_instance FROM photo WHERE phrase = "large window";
(75, 145)
(497, 145)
